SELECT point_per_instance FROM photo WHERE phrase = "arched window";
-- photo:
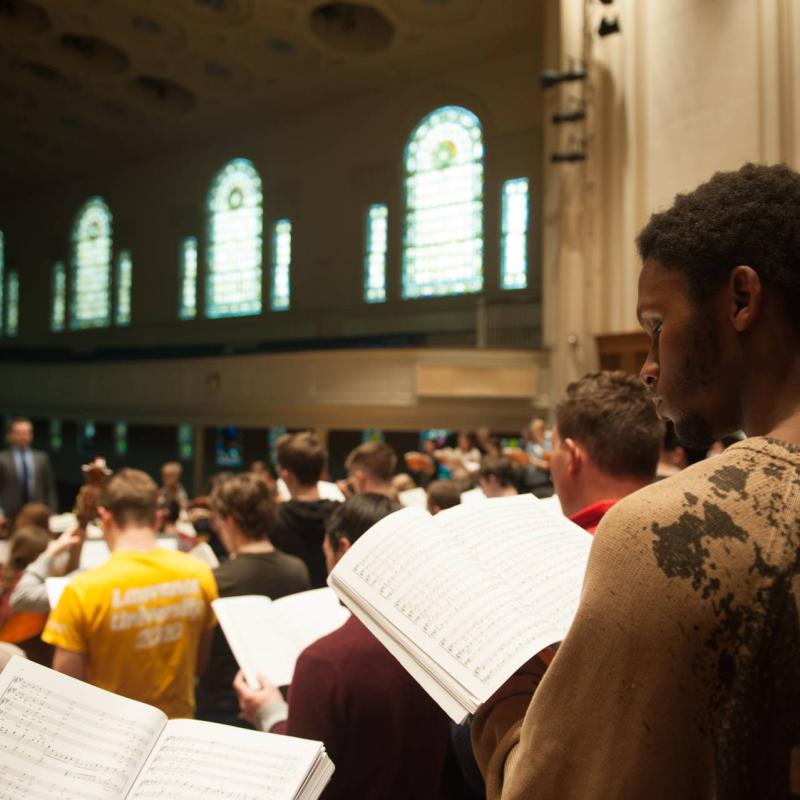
(233, 285)
(58, 309)
(443, 243)
(91, 266)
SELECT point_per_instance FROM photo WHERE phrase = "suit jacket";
(44, 489)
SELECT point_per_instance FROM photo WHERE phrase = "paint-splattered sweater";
(680, 676)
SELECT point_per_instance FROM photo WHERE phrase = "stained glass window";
(281, 264)
(188, 279)
(2, 279)
(514, 241)
(185, 442)
(121, 438)
(58, 311)
(56, 437)
(275, 433)
(12, 304)
(443, 240)
(124, 284)
(233, 286)
(91, 266)
(86, 438)
(375, 257)
(371, 435)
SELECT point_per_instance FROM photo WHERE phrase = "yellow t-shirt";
(139, 618)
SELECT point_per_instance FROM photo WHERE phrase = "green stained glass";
(443, 239)
(281, 264)
(188, 279)
(91, 266)
(375, 257)
(12, 304)
(233, 284)
(514, 241)
(124, 285)
(275, 433)
(58, 310)
(121, 438)
(371, 435)
(56, 437)
(185, 442)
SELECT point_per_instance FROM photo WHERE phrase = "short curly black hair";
(747, 217)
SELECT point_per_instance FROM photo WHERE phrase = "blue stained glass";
(233, 284)
(58, 311)
(121, 438)
(375, 257)
(12, 304)
(91, 266)
(185, 442)
(124, 285)
(514, 242)
(188, 279)
(443, 240)
(281, 264)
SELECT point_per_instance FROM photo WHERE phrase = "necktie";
(26, 496)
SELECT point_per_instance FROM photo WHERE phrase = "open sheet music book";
(62, 738)
(267, 636)
(464, 598)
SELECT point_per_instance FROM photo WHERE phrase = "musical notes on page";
(62, 738)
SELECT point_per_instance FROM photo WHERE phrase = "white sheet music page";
(267, 636)
(203, 759)
(479, 588)
(62, 738)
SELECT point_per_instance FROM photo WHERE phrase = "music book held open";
(464, 598)
(61, 737)
(267, 636)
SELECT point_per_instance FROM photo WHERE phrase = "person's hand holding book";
(263, 707)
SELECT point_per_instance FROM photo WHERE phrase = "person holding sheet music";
(387, 737)
(138, 625)
(244, 514)
(680, 674)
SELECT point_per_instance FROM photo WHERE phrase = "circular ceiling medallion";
(351, 28)
(23, 17)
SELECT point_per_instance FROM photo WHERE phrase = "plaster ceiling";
(87, 83)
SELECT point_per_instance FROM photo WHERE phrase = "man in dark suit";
(25, 474)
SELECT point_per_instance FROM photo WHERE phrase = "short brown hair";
(24, 547)
(37, 514)
(246, 498)
(131, 497)
(377, 459)
(501, 468)
(613, 417)
(303, 455)
(444, 494)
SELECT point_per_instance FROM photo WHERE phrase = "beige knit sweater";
(680, 676)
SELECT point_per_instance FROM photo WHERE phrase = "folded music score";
(464, 598)
(63, 738)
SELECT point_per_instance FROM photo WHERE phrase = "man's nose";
(649, 373)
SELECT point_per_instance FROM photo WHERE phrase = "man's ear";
(344, 545)
(746, 293)
(575, 455)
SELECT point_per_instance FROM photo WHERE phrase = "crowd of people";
(680, 676)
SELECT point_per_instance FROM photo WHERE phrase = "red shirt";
(589, 516)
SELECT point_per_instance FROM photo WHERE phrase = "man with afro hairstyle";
(680, 675)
